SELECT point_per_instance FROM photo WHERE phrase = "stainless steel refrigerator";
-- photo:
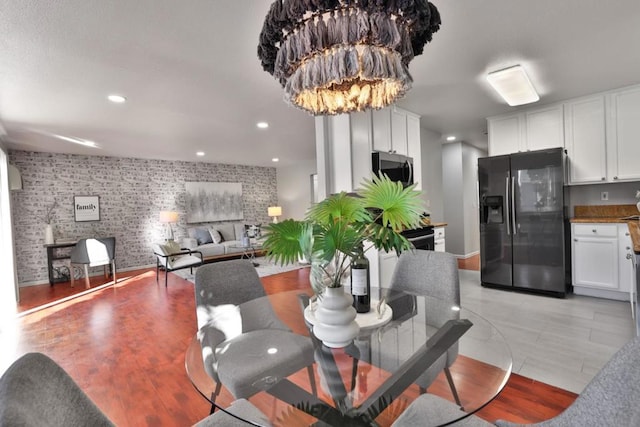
(524, 230)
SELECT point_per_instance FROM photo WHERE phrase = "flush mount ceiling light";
(451, 138)
(262, 125)
(338, 56)
(513, 85)
(275, 160)
(200, 153)
(117, 99)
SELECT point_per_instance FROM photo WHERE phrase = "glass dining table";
(373, 380)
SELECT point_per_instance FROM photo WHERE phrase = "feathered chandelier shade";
(339, 56)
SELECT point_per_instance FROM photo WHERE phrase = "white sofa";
(201, 239)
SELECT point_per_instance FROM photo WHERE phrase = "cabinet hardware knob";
(603, 178)
(594, 230)
(615, 177)
(628, 248)
(626, 234)
(575, 240)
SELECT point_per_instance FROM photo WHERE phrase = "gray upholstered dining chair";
(94, 253)
(241, 336)
(35, 392)
(609, 400)
(434, 274)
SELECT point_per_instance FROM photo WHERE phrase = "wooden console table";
(53, 254)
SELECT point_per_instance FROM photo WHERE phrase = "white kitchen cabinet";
(390, 130)
(544, 128)
(585, 139)
(388, 261)
(505, 134)
(414, 148)
(626, 263)
(623, 135)
(595, 256)
(535, 129)
(602, 260)
(439, 234)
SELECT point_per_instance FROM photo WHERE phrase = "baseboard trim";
(467, 256)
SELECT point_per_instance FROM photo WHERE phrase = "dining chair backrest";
(227, 282)
(430, 273)
(94, 251)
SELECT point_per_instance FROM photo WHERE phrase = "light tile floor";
(562, 342)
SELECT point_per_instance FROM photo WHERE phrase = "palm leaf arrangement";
(334, 229)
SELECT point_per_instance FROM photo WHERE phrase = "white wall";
(622, 193)
(459, 177)
(9, 294)
(470, 157)
(452, 197)
(431, 149)
(294, 189)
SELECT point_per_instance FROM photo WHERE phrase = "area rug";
(264, 268)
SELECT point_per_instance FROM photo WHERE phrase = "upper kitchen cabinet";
(505, 134)
(392, 130)
(602, 137)
(585, 140)
(535, 129)
(623, 135)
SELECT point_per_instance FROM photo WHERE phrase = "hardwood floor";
(125, 344)
(471, 263)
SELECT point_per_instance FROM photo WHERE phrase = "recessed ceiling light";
(451, 138)
(513, 85)
(262, 125)
(200, 153)
(118, 99)
(275, 159)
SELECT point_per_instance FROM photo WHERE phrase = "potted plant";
(335, 229)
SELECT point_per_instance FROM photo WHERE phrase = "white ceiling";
(193, 80)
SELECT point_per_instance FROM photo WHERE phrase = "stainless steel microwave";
(396, 166)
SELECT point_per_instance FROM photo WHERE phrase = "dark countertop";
(611, 214)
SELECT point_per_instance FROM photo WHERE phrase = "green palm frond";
(283, 240)
(339, 207)
(396, 207)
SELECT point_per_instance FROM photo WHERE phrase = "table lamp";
(275, 212)
(168, 218)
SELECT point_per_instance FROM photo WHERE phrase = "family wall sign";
(86, 208)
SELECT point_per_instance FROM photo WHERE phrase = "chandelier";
(339, 56)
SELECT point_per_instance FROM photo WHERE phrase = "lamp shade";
(168, 217)
(274, 211)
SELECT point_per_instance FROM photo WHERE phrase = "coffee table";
(372, 380)
(248, 252)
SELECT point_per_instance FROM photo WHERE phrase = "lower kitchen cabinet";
(600, 266)
(439, 245)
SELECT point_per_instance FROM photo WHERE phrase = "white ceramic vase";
(48, 235)
(335, 317)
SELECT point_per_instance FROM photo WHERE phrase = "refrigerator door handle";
(508, 218)
(513, 205)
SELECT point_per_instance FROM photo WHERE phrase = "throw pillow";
(253, 230)
(215, 236)
(203, 236)
(171, 247)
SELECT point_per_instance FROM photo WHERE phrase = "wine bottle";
(360, 282)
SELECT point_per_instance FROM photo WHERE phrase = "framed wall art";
(213, 201)
(86, 208)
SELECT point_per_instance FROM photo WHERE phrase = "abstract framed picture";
(86, 208)
(213, 201)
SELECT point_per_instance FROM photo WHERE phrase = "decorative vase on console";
(48, 235)
(48, 217)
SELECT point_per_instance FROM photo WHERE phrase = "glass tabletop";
(295, 380)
